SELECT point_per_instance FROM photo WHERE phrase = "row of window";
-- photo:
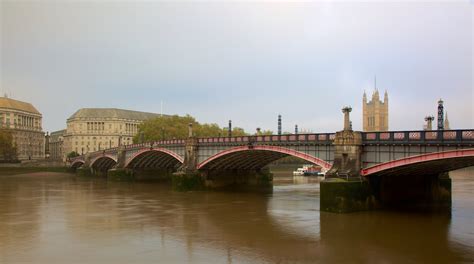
(19, 120)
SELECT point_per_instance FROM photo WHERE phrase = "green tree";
(265, 133)
(7, 148)
(176, 127)
(238, 132)
(72, 154)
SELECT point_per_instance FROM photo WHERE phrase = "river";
(58, 218)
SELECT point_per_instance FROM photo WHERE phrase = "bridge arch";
(103, 163)
(77, 163)
(255, 157)
(430, 163)
(154, 158)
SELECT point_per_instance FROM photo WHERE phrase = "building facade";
(375, 112)
(25, 123)
(93, 129)
(55, 142)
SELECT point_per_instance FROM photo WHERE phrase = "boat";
(299, 172)
(309, 170)
(313, 171)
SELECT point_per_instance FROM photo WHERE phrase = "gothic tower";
(375, 112)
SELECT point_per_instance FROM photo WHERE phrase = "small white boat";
(299, 171)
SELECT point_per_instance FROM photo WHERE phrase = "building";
(25, 123)
(93, 129)
(55, 143)
(375, 113)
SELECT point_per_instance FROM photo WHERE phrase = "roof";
(59, 132)
(13, 104)
(112, 113)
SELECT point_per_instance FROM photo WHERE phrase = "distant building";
(375, 112)
(25, 123)
(93, 129)
(56, 148)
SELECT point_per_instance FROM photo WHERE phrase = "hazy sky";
(243, 61)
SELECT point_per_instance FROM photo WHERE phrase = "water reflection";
(53, 218)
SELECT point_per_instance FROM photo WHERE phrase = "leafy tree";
(238, 132)
(7, 148)
(265, 133)
(72, 154)
(176, 127)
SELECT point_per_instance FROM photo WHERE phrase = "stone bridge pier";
(85, 170)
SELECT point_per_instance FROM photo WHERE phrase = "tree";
(72, 154)
(238, 132)
(176, 127)
(265, 133)
(7, 148)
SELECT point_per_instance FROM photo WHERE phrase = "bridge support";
(85, 170)
(119, 172)
(239, 180)
(344, 190)
(188, 177)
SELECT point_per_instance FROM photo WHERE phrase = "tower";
(375, 112)
(279, 124)
(440, 115)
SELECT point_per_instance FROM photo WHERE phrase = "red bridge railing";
(422, 136)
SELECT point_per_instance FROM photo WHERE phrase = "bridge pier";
(240, 180)
(343, 190)
(85, 170)
(229, 180)
(119, 172)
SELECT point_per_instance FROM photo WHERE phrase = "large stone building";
(375, 112)
(55, 145)
(25, 123)
(92, 129)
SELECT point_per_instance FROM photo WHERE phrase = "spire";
(385, 97)
(446, 122)
(375, 82)
(364, 98)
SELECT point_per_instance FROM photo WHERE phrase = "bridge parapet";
(460, 137)
(323, 138)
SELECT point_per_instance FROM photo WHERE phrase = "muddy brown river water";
(58, 218)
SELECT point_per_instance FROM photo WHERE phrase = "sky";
(245, 61)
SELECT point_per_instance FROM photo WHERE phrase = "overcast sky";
(243, 61)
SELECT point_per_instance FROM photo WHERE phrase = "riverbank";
(4, 171)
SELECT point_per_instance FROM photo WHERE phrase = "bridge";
(364, 170)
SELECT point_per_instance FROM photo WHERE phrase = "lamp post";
(347, 122)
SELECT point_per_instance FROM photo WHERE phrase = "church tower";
(375, 112)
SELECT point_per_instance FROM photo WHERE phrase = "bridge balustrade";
(419, 137)
(326, 137)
